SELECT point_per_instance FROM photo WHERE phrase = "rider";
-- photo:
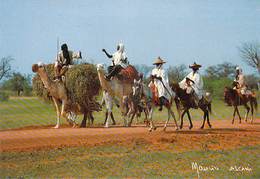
(64, 60)
(240, 83)
(197, 84)
(160, 80)
(119, 61)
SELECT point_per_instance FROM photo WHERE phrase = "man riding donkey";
(193, 84)
(64, 60)
(240, 84)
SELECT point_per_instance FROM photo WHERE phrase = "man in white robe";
(161, 82)
(197, 84)
(240, 82)
(119, 61)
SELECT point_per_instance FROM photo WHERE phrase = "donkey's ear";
(134, 81)
(139, 81)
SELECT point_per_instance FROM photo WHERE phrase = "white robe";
(197, 85)
(160, 72)
(119, 57)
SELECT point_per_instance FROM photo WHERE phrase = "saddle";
(128, 74)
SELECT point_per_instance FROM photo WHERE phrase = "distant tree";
(145, 69)
(18, 83)
(177, 73)
(224, 70)
(5, 67)
(250, 52)
(252, 81)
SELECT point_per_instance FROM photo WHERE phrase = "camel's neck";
(45, 79)
(106, 85)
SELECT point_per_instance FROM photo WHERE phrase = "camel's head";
(37, 67)
(100, 67)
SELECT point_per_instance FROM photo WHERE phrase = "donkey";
(187, 102)
(233, 98)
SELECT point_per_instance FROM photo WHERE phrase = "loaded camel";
(65, 106)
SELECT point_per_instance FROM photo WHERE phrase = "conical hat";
(158, 61)
(194, 65)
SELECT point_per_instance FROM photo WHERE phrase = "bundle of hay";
(82, 85)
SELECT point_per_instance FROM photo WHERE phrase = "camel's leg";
(247, 111)
(191, 125)
(58, 112)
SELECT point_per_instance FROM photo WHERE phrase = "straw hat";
(195, 65)
(158, 61)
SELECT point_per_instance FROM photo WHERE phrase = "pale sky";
(181, 32)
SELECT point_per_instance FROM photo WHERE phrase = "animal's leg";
(204, 119)
(191, 125)
(247, 111)
(182, 115)
(252, 111)
(152, 126)
(72, 117)
(91, 118)
(208, 119)
(239, 116)
(165, 125)
(234, 114)
(58, 113)
(84, 121)
(176, 124)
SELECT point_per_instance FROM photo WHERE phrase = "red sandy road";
(222, 136)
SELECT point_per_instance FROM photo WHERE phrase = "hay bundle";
(82, 85)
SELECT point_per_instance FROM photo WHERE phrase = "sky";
(181, 32)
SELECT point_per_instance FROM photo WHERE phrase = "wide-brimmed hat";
(159, 61)
(195, 65)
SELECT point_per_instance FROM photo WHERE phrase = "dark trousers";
(114, 70)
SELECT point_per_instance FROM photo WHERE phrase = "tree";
(224, 70)
(177, 73)
(250, 52)
(5, 67)
(19, 83)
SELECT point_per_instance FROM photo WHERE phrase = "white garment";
(119, 57)
(108, 100)
(240, 79)
(62, 61)
(197, 85)
(160, 72)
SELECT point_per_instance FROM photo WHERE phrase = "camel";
(58, 93)
(117, 88)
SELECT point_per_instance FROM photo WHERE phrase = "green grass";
(22, 112)
(118, 162)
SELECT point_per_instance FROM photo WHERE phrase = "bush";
(4, 96)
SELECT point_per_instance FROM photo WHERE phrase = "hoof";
(164, 129)
(190, 127)
(202, 127)
(210, 126)
(56, 127)
(180, 127)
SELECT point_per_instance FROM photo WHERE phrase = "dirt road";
(222, 136)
